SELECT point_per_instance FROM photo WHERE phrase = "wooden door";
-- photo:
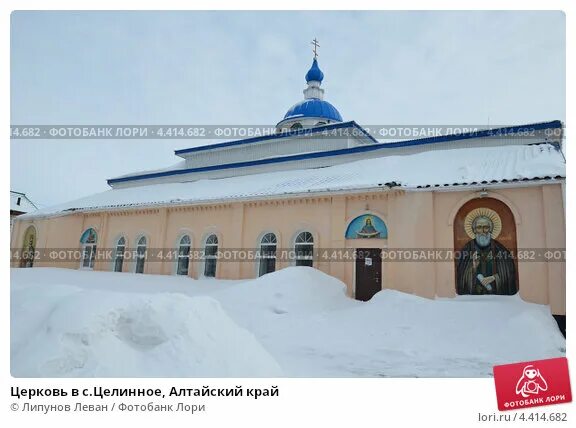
(368, 273)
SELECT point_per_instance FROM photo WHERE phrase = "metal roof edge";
(527, 182)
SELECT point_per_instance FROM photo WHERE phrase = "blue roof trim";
(304, 131)
(359, 149)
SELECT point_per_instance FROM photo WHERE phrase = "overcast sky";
(242, 68)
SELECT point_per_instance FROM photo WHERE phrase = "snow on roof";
(20, 202)
(435, 168)
(178, 165)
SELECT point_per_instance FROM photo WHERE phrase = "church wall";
(16, 238)
(355, 205)
(411, 219)
(286, 219)
(539, 217)
(533, 276)
(131, 225)
(415, 220)
(58, 233)
(337, 226)
(445, 204)
(199, 223)
(555, 228)
(532, 234)
(410, 226)
(65, 232)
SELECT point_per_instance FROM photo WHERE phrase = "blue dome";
(313, 108)
(314, 73)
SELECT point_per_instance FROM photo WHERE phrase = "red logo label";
(533, 383)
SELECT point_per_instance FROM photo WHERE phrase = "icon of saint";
(485, 265)
(368, 230)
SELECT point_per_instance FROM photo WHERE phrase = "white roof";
(435, 168)
(178, 165)
(20, 202)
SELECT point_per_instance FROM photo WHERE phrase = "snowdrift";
(294, 322)
(402, 335)
(290, 293)
(65, 331)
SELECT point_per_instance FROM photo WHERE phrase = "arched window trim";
(89, 244)
(212, 239)
(183, 260)
(304, 249)
(211, 243)
(119, 251)
(304, 237)
(269, 238)
(268, 246)
(140, 255)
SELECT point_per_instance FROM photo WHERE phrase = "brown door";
(368, 273)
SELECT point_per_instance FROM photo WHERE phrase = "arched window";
(321, 123)
(140, 254)
(183, 255)
(28, 248)
(295, 126)
(304, 249)
(119, 257)
(267, 254)
(88, 240)
(210, 256)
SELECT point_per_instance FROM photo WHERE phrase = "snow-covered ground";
(295, 322)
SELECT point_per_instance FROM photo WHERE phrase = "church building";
(459, 214)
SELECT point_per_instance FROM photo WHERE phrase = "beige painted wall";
(415, 219)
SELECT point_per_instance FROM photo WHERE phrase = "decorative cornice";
(375, 195)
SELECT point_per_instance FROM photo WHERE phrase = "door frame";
(368, 247)
(354, 244)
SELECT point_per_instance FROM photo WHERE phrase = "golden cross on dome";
(316, 45)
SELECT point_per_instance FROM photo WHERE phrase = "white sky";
(242, 68)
